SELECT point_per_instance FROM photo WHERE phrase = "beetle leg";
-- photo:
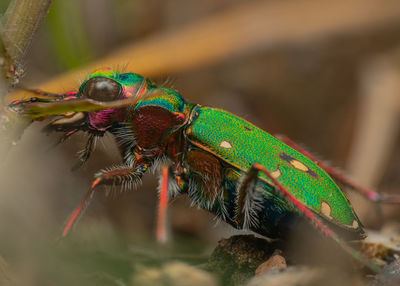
(30, 100)
(49, 94)
(64, 137)
(204, 188)
(122, 175)
(342, 177)
(247, 199)
(161, 230)
(315, 220)
(86, 152)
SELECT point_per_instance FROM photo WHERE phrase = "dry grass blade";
(242, 29)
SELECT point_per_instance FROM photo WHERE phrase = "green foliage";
(3, 6)
(69, 39)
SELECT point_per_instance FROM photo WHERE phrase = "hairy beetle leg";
(246, 199)
(161, 230)
(316, 221)
(121, 175)
(86, 152)
(342, 177)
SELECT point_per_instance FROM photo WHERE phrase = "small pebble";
(275, 262)
(173, 273)
(291, 276)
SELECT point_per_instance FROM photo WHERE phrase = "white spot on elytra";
(225, 144)
(298, 165)
(276, 174)
(355, 224)
(326, 209)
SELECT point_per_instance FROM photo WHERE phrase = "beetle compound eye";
(102, 89)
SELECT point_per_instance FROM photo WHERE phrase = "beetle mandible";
(226, 165)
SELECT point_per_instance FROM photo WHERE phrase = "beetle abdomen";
(241, 144)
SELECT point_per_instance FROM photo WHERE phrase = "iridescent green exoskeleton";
(226, 165)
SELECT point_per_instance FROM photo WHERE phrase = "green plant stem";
(18, 25)
(17, 28)
(20, 22)
(3, 63)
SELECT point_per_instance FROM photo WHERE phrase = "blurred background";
(325, 74)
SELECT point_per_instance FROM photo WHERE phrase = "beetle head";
(102, 89)
(103, 86)
(102, 101)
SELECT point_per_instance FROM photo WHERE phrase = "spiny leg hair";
(248, 200)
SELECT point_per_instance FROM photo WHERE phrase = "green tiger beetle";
(226, 165)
